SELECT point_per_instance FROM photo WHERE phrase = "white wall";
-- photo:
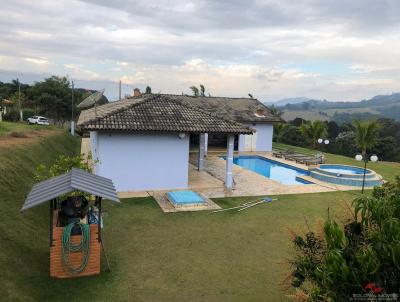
(137, 162)
(262, 139)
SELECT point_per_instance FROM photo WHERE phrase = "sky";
(322, 49)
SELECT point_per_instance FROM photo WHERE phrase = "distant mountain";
(286, 101)
(379, 106)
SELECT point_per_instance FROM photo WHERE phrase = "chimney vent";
(136, 92)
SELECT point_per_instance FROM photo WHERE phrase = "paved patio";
(210, 182)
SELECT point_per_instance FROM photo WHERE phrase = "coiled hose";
(68, 247)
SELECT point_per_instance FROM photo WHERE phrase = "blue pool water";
(184, 197)
(340, 169)
(272, 169)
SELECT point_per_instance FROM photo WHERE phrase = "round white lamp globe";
(359, 157)
(326, 142)
(374, 158)
(320, 140)
(182, 135)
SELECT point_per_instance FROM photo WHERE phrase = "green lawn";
(155, 256)
(7, 128)
(388, 170)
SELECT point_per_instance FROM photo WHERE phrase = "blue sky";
(325, 49)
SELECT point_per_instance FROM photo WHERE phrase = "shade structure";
(76, 179)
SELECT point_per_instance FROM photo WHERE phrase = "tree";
(313, 131)
(202, 90)
(363, 256)
(279, 131)
(52, 97)
(333, 129)
(148, 90)
(366, 135)
(275, 111)
(195, 91)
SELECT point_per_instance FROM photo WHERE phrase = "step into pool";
(285, 174)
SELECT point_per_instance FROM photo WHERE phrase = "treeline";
(50, 98)
(302, 133)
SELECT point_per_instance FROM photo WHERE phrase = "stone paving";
(210, 182)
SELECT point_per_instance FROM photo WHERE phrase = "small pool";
(274, 170)
(184, 198)
(341, 169)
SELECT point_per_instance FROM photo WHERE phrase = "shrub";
(27, 113)
(63, 165)
(361, 257)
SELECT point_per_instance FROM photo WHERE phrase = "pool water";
(184, 197)
(285, 174)
(339, 169)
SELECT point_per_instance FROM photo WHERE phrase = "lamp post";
(372, 158)
(322, 141)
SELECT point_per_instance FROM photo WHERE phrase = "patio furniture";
(295, 156)
(314, 160)
(280, 153)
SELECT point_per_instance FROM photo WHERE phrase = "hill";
(379, 106)
(286, 101)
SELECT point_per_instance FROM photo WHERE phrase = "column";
(200, 162)
(206, 144)
(229, 162)
(94, 149)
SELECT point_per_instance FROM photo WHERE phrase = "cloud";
(273, 49)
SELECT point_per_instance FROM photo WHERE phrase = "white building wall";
(264, 137)
(259, 141)
(137, 162)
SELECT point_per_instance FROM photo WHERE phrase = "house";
(142, 143)
(247, 111)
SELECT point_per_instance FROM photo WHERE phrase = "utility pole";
(72, 109)
(120, 89)
(21, 118)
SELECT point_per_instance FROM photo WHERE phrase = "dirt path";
(25, 138)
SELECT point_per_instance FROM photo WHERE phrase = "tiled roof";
(238, 109)
(156, 113)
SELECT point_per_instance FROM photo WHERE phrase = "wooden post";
(229, 162)
(51, 206)
(99, 219)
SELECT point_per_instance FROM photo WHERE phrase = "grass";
(154, 256)
(388, 170)
(20, 129)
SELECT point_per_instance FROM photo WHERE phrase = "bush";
(27, 113)
(360, 258)
(63, 165)
(12, 114)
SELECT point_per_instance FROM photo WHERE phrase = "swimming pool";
(274, 170)
(343, 169)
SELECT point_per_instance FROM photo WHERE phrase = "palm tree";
(195, 90)
(202, 90)
(275, 111)
(366, 135)
(313, 131)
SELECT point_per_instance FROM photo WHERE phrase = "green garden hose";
(68, 247)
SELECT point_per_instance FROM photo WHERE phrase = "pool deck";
(210, 182)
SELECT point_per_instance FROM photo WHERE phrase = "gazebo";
(75, 225)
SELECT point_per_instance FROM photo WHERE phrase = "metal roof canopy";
(76, 179)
